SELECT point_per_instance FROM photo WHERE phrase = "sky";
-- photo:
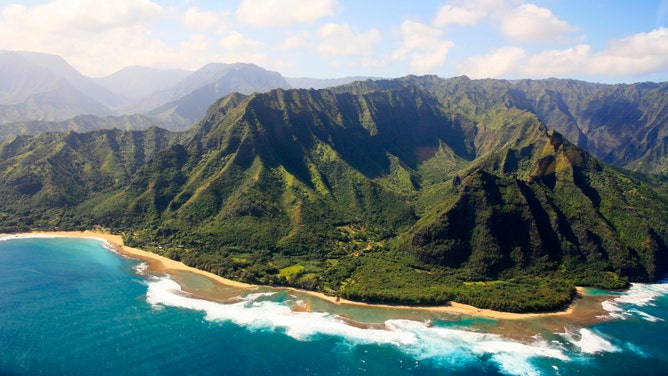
(609, 41)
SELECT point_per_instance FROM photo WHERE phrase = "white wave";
(108, 246)
(646, 316)
(27, 236)
(255, 296)
(7, 237)
(269, 315)
(510, 364)
(440, 344)
(514, 357)
(590, 342)
(459, 347)
(614, 310)
(636, 349)
(638, 295)
(141, 268)
(641, 294)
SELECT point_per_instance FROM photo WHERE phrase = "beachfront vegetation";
(384, 192)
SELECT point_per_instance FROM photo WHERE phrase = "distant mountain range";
(416, 190)
(43, 87)
(134, 83)
(624, 125)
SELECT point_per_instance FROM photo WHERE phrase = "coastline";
(163, 264)
(155, 261)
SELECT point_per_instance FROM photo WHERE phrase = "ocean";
(71, 306)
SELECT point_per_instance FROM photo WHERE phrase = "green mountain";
(380, 191)
(622, 125)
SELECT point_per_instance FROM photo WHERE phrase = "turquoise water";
(69, 306)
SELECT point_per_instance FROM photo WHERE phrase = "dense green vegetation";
(622, 125)
(384, 191)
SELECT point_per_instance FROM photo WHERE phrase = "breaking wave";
(438, 344)
(590, 342)
(629, 303)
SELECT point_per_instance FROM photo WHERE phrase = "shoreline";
(163, 264)
(156, 262)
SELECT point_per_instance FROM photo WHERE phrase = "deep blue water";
(69, 306)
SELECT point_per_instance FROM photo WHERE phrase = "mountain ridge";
(380, 191)
(623, 124)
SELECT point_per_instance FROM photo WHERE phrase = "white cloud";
(100, 37)
(205, 20)
(525, 22)
(468, 13)
(295, 41)
(237, 48)
(236, 41)
(557, 63)
(68, 16)
(197, 44)
(529, 22)
(95, 37)
(341, 40)
(423, 46)
(499, 63)
(638, 54)
(375, 62)
(448, 14)
(270, 13)
(97, 16)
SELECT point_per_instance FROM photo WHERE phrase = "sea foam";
(440, 345)
(590, 342)
(638, 295)
(26, 236)
(141, 268)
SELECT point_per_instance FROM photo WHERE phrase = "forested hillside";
(414, 191)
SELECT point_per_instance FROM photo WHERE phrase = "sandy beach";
(155, 261)
(166, 265)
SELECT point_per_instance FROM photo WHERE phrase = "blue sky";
(595, 40)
